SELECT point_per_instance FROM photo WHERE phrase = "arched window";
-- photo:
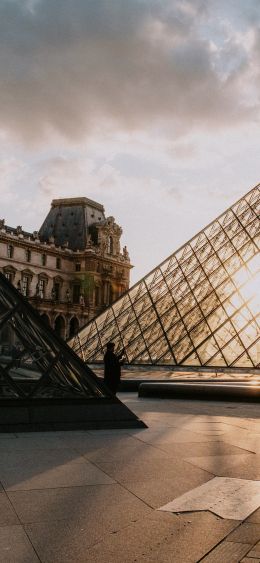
(59, 326)
(45, 318)
(73, 326)
(110, 245)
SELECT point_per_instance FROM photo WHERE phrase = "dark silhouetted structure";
(43, 383)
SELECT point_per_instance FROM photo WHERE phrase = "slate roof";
(69, 221)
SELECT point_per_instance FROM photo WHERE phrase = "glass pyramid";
(34, 362)
(44, 385)
(199, 307)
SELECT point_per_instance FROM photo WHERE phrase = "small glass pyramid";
(199, 307)
(34, 362)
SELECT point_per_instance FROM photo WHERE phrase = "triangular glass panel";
(192, 360)
(217, 361)
(167, 359)
(202, 301)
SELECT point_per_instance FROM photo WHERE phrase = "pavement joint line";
(124, 487)
(227, 541)
(223, 539)
(245, 449)
(65, 487)
(23, 527)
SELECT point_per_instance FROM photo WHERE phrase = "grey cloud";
(74, 67)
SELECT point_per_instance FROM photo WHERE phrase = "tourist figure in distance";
(112, 367)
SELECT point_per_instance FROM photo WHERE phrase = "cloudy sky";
(150, 107)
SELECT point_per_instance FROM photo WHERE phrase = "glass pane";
(205, 297)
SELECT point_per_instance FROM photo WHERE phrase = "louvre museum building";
(199, 308)
(72, 268)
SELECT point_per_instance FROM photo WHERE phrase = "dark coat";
(112, 372)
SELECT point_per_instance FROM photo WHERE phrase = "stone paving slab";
(245, 533)
(8, 515)
(208, 428)
(15, 546)
(106, 507)
(177, 436)
(225, 465)
(243, 438)
(255, 517)
(43, 458)
(248, 468)
(86, 443)
(155, 494)
(201, 449)
(125, 453)
(91, 496)
(255, 552)
(156, 468)
(162, 538)
(48, 476)
(227, 552)
(229, 498)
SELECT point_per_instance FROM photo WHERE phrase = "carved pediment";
(9, 269)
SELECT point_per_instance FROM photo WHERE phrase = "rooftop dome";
(69, 220)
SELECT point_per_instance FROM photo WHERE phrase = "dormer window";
(110, 245)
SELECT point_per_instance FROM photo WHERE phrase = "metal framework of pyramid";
(42, 381)
(199, 307)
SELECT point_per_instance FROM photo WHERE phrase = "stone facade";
(70, 270)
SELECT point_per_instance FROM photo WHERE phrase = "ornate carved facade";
(70, 270)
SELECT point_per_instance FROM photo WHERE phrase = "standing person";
(112, 365)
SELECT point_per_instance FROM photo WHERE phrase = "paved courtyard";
(186, 489)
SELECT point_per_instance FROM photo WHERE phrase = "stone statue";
(125, 253)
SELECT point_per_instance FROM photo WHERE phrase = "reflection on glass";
(199, 307)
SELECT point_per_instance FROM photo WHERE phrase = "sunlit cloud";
(150, 107)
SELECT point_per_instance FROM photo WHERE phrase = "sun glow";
(249, 285)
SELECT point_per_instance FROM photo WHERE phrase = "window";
(43, 259)
(58, 263)
(40, 288)
(25, 286)
(78, 266)
(10, 251)
(9, 276)
(28, 255)
(56, 291)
